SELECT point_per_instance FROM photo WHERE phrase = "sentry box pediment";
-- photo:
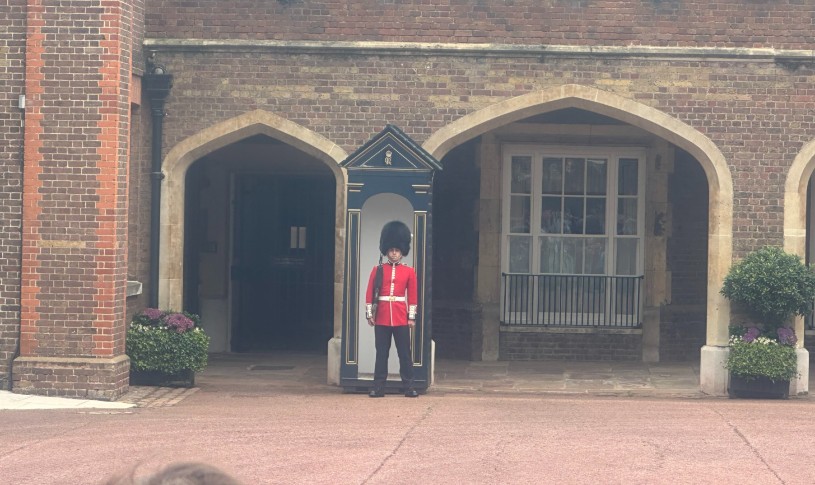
(391, 150)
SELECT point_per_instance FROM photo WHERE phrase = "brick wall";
(67, 377)
(12, 57)
(780, 23)
(453, 327)
(758, 114)
(687, 244)
(78, 74)
(138, 256)
(570, 346)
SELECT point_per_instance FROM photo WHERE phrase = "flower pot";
(759, 387)
(184, 378)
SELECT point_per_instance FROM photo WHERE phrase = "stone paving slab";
(10, 400)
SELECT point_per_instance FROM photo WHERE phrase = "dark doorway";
(283, 262)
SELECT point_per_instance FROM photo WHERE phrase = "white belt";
(392, 298)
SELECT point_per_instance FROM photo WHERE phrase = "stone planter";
(758, 388)
(184, 378)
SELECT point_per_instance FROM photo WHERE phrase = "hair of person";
(185, 473)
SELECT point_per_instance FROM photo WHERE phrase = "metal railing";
(571, 300)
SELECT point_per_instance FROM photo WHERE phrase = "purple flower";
(178, 322)
(153, 313)
(786, 336)
(751, 334)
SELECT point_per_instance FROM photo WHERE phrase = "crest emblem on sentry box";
(391, 149)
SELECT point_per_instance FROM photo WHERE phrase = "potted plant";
(761, 366)
(773, 286)
(166, 348)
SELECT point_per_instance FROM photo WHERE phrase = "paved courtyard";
(285, 426)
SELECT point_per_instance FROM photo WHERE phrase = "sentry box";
(389, 178)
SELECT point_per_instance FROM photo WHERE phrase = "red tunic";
(397, 296)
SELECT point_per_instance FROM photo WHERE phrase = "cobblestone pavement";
(156, 397)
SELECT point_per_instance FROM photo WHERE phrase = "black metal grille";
(571, 300)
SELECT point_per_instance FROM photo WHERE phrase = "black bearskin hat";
(395, 234)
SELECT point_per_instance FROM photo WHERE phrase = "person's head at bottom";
(191, 473)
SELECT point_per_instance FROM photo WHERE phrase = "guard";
(390, 307)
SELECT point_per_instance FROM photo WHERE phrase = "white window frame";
(537, 153)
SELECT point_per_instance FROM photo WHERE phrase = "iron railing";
(571, 300)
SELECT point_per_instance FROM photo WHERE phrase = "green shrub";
(772, 285)
(166, 342)
(762, 357)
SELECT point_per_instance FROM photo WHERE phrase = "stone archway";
(185, 153)
(795, 235)
(795, 195)
(713, 375)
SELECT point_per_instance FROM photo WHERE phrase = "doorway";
(282, 262)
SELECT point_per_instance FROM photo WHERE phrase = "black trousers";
(400, 335)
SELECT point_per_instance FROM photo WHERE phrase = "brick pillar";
(72, 315)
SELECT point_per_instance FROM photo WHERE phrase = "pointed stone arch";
(795, 196)
(720, 232)
(795, 237)
(184, 154)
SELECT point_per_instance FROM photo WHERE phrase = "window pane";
(552, 182)
(627, 217)
(596, 176)
(550, 254)
(628, 176)
(551, 215)
(595, 255)
(519, 254)
(521, 175)
(572, 256)
(573, 215)
(519, 214)
(626, 257)
(595, 216)
(575, 183)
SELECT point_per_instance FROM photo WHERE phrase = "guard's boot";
(376, 393)
(411, 393)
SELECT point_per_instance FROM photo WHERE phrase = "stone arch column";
(795, 229)
(713, 375)
(185, 153)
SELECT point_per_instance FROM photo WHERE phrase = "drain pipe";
(157, 84)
